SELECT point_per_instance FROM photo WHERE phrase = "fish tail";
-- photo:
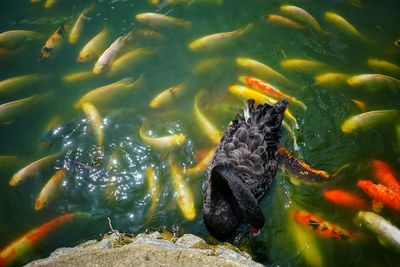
(138, 82)
(338, 171)
(300, 104)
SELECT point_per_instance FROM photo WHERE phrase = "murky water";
(111, 181)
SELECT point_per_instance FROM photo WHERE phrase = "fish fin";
(300, 104)
(345, 166)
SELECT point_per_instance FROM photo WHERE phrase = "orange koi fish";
(381, 193)
(385, 175)
(322, 227)
(345, 199)
(23, 244)
(301, 168)
(270, 90)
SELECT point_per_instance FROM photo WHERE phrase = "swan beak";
(255, 231)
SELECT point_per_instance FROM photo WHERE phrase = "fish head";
(82, 57)
(40, 203)
(141, 17)
(99, 68)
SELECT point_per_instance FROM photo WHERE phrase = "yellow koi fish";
(75, 32)
(95, 120)
(164, 142)
(13, 84)
(343, 26)
(9, 111)
(78, 76)
(130, 60)
(218, 40)
(54, 43)
(374, 82)
(201, 166)
(184, 195)
(154, 189)
(247, 93)
(14, 38)
(302, 16)
(167, 96)
(384, 66)
(283, 21)
(49, 190)
(368, 119)
(107, 93)
(331, 79)
(360, 104)
(108, 56)
(208, 65)
(205, 124)
(263, 71)
(94, 48)
(304, 66)
(49, 3)
(155, 20)
(32, 168)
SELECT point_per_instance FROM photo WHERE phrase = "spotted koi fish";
(381, 193)
(322, 227)
(385, 175)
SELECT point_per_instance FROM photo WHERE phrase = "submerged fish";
(107, 93)
(360, 104)
(201, 166)
(343, 26)
(23, 245)
(387, 234)
(302, 16)
(138, 35)
(322, 227)
(368, 119)
(164, 142)
(155, 20)
(218, 40)
(384, 174)
(345, 199)
(49, 191)
(381, 193)
(9, 111)
(54, 43)
(304, 66)
(384, 66)
(95, 120)
(11, 85)
(167, 96)
(129, 60)
(10, 39)
(374, 82)
(191, 2)
(283, 21)
(154, 189)
(78, 76)
(270, 90)
(105, 60)
(205, 124)
(331, 79)
(94, 48)
(209, 65)
(32, 169)
(184, 195)
(263, 71)
(75, 32)
(49, 3)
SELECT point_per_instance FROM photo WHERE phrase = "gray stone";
(191, 241)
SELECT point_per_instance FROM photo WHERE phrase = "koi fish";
(105, 94)
(191, 2)
(78, 76)
(167, 96)
(93, 48)
(302, 16)
(384, 66)
(205, 124)
(49, 190)
(374, 82)
(264, 72)
(14, 38)
(49, 3)
(387, 234)
(54, 43)
(301, 168)
(154, 189)
(184, 195)
(13, 84)
(283, 21)
(381, 193)
(321, 227)
(105, 60)
(208, 65)
(345, 199)
(343, 26)
(95, 120)
(26, 242)
(360, 104)
(130, 60)
(75, 32)
(139, 34)
(164, 142)
(331, 79)
(218, 40)
(270, 90)
(368, 119)
(385, 175)
(304, 66)
(201, 166)
(32, 168)
(247, 93)
(155, 20)
(10, 110)
(8, 161)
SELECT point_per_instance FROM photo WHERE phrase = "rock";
(191, 241)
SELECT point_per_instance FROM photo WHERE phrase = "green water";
(127, 203)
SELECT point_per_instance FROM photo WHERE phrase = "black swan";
(242, 170)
